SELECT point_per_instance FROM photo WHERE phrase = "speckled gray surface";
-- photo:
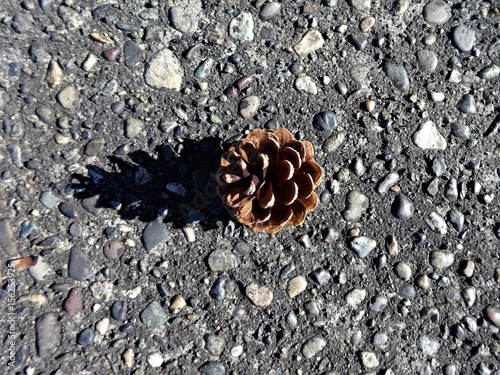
(114, 116)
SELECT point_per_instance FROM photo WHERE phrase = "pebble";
(236, 351)
(68, 209)
(335, 141)
(436, 223)
(493, 315)
(438, 166)
(363, 6)
(90, 62)
(407, 291)
(94, 146)
(469, 296)
(456, 219)
(291, 319)
(391, 245)
(241, 27)
(310, 42)
(7, 241)
(379, 339)
(451, 190)
(362, 246)
(489, 72)
(164, 71)
(359, 42)
(111, 54)
(133, 127)
(324, 121)
(79, 264)
(40, 270)
(212, 368)
(119, 310)
(356, 205)
(427, 345)
(71, 18)
(85, 337)
(128, 357)
(269, 10)
(259, 295)
(437, 97)
(74, 303)
(214, 344)
(467, 104)
(379, 303)
(182, 20)
(45, 114)
(296, 286)
(464, 38)
(427, 60)
(368, 359)
(355, 296)
(155, 359)
(54, 76)
(366, 24)
(177, 304)
(113, 249)
(69, 98)
(48, 334)
(286, 270)
(398, 76)
(15, 154)
(304, 240)
(48, 199)
(153, 315)
(217, 292)
(306, 84)
(402, 270)
(204, 69)
(154, 234)
(441, 259)
(102, 326)
(385, 183)
(321, 276)
(436, 12)
(313, 346)
(428, 137)
(460, 130)
(222, 260)
(248, 106)
(402, 208)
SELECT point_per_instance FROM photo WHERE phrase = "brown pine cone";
(267, 180)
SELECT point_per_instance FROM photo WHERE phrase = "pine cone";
(266, 180)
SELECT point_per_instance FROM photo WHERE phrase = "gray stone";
(402, 270)
(69, 98)
(325, 121)
(182, 20)
(441, 259)
(438, 166)
(310, 42)
(48, 334)
(428, 346)
(335, 141)
(493, 315)
(436, 12)
(313, 346)
(45, 114)
(260, 296)
(398, 76)
(306, 84)
(361, 5)
(164, 71)
(385, 183)
(402, 208)
(488, 72)
(222, 260)
(379, 303)
(248, 106)
(79, 265)
(362, 246)
(321, 276)
(456, 219)
(94, 146)
(204, 69)
(464, 38)
(451, 190)
(7, 241)
(269, 10)
(467, 104)
(154, 315)
(154, 234)
(48, 199)
(368, 359)
(241, 27)
(132, 53)
(214, 344)
(71, 18)
(113, 249)
(428, 136)
(356, 205)
(355, 296)
(85, 337)
(212, 368)
(133, 127)
(436, 223)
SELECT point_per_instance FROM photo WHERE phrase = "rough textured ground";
(114, 116)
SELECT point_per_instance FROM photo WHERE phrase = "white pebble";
(155, 359)
(236, 351)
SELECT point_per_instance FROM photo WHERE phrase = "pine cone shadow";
(143, 185)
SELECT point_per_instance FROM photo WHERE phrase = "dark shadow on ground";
(137, 184)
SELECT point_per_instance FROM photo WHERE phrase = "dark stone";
(325, 121)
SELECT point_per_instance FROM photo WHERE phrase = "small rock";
(153, 315)
(385, 183)
(45, 114)
(217, 292)
(493, 315)
(94, 146)
(460, 130)
(212, 368)
(313, 346)
(436, 12)
(177, 304)
(379, 303)
(128, 357)
(79, 265)
(398, 76)
(355, 296)
(366, 24)
(113, 249)
(119, 310)
(155, 359)
(182, 21)
(306, 84)
(259, 295)
(248, 106)
(310, 42)
(102, 326)
(428, 137)
(428, 346)
(222, 260)
(48, 334)
(7, 241)
(85, 337)
(361, 5)
(489, 72)
(402, 270)
(325, 121)
(40, 270)
(133, 127)
(90, 62)
(164, 71)
(154, 234)
(74, 303)
(356, 205)
(427, 60)
(296, 286)
(368, 359)
(441, 259)
(321, 276)
(54, 75)
(214, 344)
(241, 27)
(68, 209)
(335, 141)
(456, 219)
(69, 98)
(467, 104)
(362, 246)
(269, 10)
(436, 223)
(48, 199)
(464, 38)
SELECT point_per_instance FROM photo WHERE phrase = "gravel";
(114, 117)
